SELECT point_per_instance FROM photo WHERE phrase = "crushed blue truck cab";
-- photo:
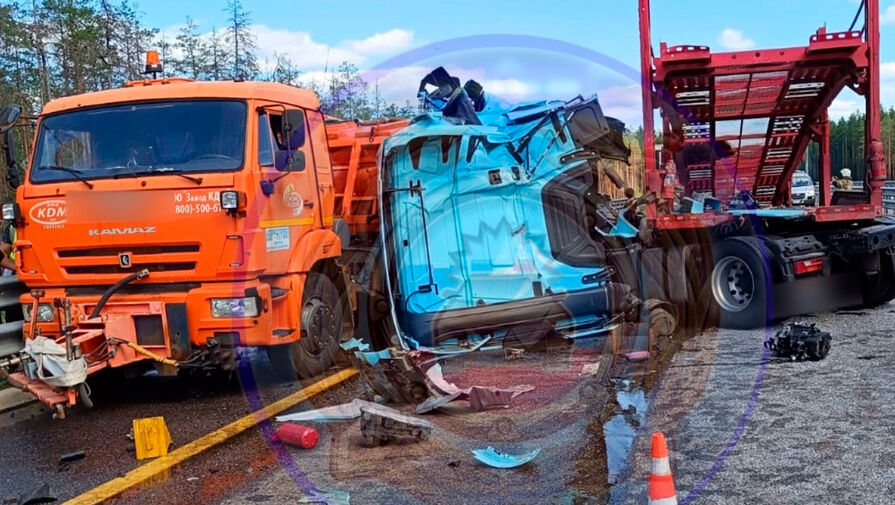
(493, 221)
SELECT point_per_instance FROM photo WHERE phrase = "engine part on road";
(800, 341)
(497, 459)
(296, 434)
(381, 425)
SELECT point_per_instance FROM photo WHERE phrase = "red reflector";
(807, 266)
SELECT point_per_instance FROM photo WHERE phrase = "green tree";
(241, 40)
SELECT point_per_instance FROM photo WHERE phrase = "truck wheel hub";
(732, 284)
(318, 324)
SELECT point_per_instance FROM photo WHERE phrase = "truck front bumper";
(171, 319)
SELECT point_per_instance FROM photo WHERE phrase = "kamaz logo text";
(120, 231)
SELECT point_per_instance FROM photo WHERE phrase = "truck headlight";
(234, 307)
(232, 200)
(45, 313)
(11, 211)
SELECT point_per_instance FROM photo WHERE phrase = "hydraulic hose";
(142, 274)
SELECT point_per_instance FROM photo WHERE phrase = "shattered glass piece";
(496, 459)
(326, 497)
(344, 412)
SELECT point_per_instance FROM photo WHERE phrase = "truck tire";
(738, 284)
(322, 321)
(881, 288)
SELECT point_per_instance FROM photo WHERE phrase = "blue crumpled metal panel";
(463, 211)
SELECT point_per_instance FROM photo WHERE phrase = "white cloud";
(888, 15)
(843, 107)
(887, 70)
(735, 40)
(509, 89)
(307, 54)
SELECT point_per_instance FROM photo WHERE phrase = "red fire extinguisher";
(296, 434)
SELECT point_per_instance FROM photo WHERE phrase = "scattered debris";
(800, 341)
(511, 353)
(479, 397)
(592, 369)
(495, 459)
(151, 437)
(343, 412)
(381, 425)
(296, 434)
(637, 356)
(192, 479)
(71, 457)
(326, 497)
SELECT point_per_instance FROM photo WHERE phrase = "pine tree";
(241, 40)
(193, 51)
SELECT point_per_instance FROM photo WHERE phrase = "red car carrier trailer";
(720, 232)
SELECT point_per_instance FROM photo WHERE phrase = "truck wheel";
(738, 285)
(322, 321)
(881, 289)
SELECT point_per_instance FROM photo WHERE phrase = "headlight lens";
(10, 211)
(45, 313)
(229, 200)
(234, 307)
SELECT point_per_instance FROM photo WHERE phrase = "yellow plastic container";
(151, 437)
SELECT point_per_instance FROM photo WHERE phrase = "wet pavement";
(577, 390)
(742, 429)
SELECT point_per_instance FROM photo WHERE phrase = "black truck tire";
(738, 284)
(880, 288)
(322, 323)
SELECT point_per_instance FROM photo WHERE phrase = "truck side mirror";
(291, 159)
(8, 117)
(294, 129)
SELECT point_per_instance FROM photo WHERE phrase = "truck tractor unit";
(169, 222)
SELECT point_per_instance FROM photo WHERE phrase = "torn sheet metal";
(479, 397)
(344, 412)
(496, 459)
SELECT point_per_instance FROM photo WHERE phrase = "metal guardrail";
(10, 315)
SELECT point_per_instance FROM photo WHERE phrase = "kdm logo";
(50, 213)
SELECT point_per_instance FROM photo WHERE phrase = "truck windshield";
(141, 139)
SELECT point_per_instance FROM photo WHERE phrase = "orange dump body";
(75, 239)
(355, 149)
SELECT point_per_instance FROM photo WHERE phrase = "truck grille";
(116, 269)
(106, 260)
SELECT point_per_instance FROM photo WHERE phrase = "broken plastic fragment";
(379, 425)
(637, 356)
(344, 412)
(326, 497)
(495, 459)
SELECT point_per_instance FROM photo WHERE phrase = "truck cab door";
(288, 182)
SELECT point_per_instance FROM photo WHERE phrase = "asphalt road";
(563, 416)
(743, 427)
(817, 432)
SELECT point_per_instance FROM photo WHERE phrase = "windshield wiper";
(159, 170)
(76, 173)
(175, 171)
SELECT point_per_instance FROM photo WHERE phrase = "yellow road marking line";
(155, 467)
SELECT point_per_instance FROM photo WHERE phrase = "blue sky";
(369, 33)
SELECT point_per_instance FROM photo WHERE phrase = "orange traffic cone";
(661, 482)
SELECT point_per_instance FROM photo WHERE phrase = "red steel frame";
(758, 110)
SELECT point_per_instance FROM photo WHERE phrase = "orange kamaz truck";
(166, 223)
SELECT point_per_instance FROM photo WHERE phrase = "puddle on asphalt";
(621, 429)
